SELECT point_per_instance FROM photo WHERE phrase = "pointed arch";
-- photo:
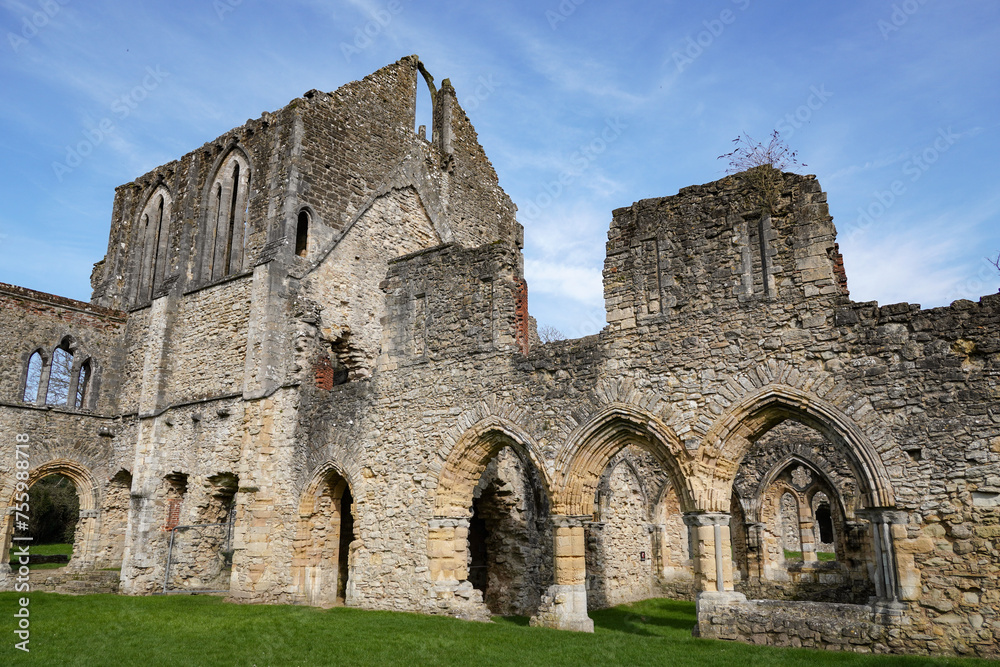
(753, 503)
(225, 222)
(33, 371)
(732, 435)
(152, 242)
(470, 456)
(590, 447)
(322, 563)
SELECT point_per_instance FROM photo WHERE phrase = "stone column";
(711, 550)
(755, 549)
(448, 563)
(448, 558)
(887, 524)
(564, 606)
(807, 537)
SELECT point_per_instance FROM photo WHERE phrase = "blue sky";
(893, 105)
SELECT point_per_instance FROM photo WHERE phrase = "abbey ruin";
(308, 375)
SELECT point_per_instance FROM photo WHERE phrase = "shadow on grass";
(512, 620)
(657, 617)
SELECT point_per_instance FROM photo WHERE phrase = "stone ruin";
(308, 375)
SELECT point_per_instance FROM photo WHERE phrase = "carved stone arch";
(224, 227)
(317, 479)
(591, 446)
(469, 457)
(732, 435)
(86, 484)
(23, 386)
(779, 467)
(322, 560)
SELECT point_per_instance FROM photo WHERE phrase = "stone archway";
(492, 496)
(734, 435)
(587, 453)
(322, 559)
(88, 493)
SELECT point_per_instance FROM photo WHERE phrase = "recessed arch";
(225, 219)
(152, 230)
(729, 439)
(470, 456)
(591, 446)
(768, 479)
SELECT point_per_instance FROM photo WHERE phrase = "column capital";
(448, 522)
(570, 520)
(706, 519)
(889, 515)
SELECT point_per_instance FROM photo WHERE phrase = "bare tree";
(548, 333)
(995, 262)
(762, 164)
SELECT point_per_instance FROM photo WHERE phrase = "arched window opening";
(302, 234)
(232, 218)
(33, 378)
(143, 248)
(825, 521)
(82, 384)
(151, 241)
(226, 220)
(155, 258)
(60, 375)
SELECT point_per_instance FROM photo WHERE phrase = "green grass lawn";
(47, 550)
(181, 630)
(820, 555)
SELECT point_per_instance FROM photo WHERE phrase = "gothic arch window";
(82, 385)
(60, 375)
(226, 225)
(153, 229)
(33, 377)
(302, 234)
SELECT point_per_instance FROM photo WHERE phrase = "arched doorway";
(321, 565)
(510, 542)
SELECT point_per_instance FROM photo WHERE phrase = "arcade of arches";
(308, 374)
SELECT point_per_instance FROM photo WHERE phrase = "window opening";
(59, 376)
(302, 234)
(33, 379)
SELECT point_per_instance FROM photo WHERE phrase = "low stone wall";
(819, 625)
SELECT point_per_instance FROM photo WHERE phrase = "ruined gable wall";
(266, 142)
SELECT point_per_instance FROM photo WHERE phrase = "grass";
(48, 550)
(820, 555)
(202, 630)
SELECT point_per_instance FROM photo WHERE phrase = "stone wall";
(381, 374)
